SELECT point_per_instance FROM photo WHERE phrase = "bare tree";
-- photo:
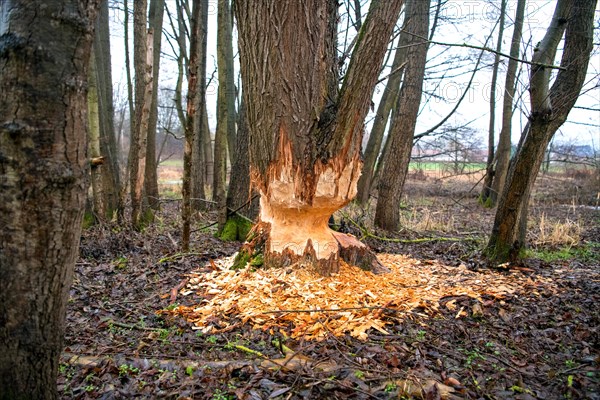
(550, 107)
(45, 49)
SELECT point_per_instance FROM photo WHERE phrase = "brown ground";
(456, 329)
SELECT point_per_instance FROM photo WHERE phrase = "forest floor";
(145, 321)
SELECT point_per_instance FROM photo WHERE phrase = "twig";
(111, 321)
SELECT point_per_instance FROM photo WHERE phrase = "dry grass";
(556, 233)
(425, 220)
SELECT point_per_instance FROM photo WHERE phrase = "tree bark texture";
(305, 134)
(142, 62)
(94, 142)
(549, 110)
(155, 19)
(226, 73)
(388, 99)
(44, 59)
(397, 156)
(111, 181)
(192, 104)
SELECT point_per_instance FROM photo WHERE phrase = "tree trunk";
(549, 110)
(226, 73)
(157, 8)
(388, 99)
(199, 160)
(94, 154)
(142, 62)
(111, 181)
(44, 59)
(504, 138)
(397, 157)
(186, 209)
(239, 193)
(489, 170)
(305, 134)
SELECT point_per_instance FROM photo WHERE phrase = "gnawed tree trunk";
(44, 59)
(400, 141)
(489, 170)
(504, 138)
(549, 110)
(305, 134)
(155, 19)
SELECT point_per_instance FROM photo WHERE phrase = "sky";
(463, 21)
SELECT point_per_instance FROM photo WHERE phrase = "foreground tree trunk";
(504, 142)
(44, 59)
(305, 134)
(400, 141)
(549, 110)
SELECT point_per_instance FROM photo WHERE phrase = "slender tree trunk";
(549, 110)
(128, 67)
(111, 180)
(220, 158)
(142, 60)
(45, 49)
(239, 193)
(200, 124)
(305, 133)
(186, 209)
(397, 157)
(388, 99)
(489, 170)
(504, 138)
(208, 151)
(226, 73)
(98, 198)
(157, 9)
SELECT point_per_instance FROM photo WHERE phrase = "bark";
(155, 18)
(305, 134)
(549, 110)
(44, 59)
(489, 173)
(128, 67)
(142, 61)
(220, 158)
(397, 156)
(388, 99)
(111, 181)
(504, 138)
(199, 159)
(186, 209)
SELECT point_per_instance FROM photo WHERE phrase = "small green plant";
(421, 335)
(212, 339)
(121, 263)
(220, 395)
(173, 306)
(472, 356)
(163, 334)
(189, 370)
(390, 387)
(90, 388)
(570, 364)
(359, 374)
(125, 369)
(62, 368)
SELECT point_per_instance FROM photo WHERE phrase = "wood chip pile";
(351, 302)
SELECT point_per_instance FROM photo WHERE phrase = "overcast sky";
(463, 21)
